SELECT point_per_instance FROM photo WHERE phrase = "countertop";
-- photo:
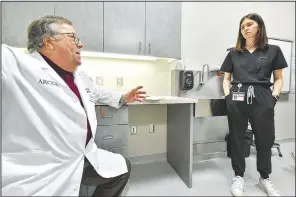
(170, 100)
(166, 100)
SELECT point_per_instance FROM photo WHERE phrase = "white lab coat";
(44, 128)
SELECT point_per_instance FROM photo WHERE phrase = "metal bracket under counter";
(181, 126)
(180, 140)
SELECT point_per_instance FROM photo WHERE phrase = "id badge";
(238, 96)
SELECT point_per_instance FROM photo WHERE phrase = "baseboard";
(209, 156)
(148, 158)
(285, 140)
(162, 157)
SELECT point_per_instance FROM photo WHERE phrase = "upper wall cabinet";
(124, 27)
(138, 28)
(163, 29)
(151, 28)
(16, 18)
(87, 19)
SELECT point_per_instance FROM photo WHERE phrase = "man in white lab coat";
(49, 120)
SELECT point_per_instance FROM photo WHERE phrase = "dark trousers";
(261, 117)
(103, 186)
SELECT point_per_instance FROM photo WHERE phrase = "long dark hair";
(261, 38)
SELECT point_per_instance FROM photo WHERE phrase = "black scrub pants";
(261, 116)
(109, 187)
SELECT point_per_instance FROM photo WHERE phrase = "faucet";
(202, 74)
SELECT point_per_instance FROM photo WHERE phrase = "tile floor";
(212, 177)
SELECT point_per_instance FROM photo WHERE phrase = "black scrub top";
(254, 68)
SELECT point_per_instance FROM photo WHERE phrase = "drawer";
(112, 136)
(112, 115)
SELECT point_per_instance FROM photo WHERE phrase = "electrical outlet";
(119, 81)
(133, 130)
(99, 80)
(151, 128)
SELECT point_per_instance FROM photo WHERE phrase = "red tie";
(69, 79)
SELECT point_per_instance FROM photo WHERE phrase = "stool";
(275, 145)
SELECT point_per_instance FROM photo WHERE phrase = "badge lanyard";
(238, 96)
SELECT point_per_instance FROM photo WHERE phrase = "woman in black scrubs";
(249, 98)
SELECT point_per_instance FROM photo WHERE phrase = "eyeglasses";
(73, 35)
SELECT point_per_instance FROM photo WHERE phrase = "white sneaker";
(268, 187)
(237, 187)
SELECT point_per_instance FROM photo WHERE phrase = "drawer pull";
(108, 137)
(112, 150)
(107, 116)
(103, 113)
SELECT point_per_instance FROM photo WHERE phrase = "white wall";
(209, 28)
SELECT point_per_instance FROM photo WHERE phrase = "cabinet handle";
(108, 137)
(103, 113)
(140, 47)
(112, 149)
(149, 49)
(107, 116)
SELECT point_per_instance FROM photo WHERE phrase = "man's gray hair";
(41, 28)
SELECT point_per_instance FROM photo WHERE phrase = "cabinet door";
(124, 27)
(87, 19)
(163, 29)
(16, 18)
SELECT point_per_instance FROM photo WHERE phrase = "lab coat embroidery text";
(87, 90)
(46, 82)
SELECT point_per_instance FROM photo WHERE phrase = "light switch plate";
(99, 80)
(133, 130)
(151, 128)
(119, 82)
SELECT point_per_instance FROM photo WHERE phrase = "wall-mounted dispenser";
(186, 80)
